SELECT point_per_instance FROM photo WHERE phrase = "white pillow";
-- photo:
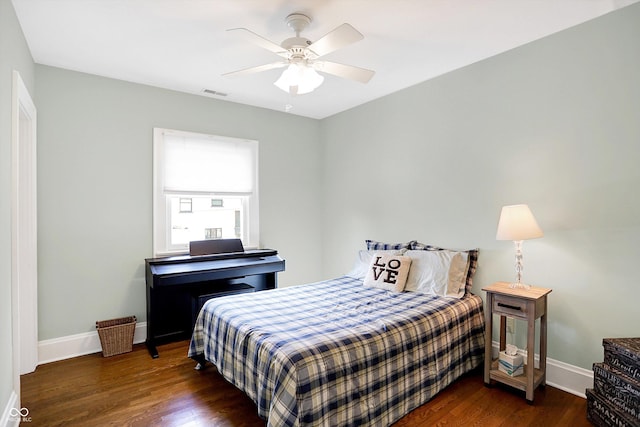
(441, 273)
(388, 272)
(363, 260)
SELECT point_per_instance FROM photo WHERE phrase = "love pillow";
(388, 272)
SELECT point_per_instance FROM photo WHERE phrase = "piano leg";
(153, 351)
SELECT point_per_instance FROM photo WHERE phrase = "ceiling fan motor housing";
(294, 42)
(297, 48)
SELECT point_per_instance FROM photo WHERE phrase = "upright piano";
(178, 287)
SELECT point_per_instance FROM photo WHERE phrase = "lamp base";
(519, 285)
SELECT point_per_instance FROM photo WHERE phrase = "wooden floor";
(135, 390)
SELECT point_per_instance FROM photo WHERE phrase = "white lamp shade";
(517, 223)
(299, 79)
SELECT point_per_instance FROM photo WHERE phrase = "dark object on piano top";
(215, 246)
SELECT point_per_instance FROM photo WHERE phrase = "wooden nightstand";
(525, 304)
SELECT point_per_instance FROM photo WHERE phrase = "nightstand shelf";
(519, 382)
(525, 304)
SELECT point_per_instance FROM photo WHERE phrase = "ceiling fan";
(300, 56)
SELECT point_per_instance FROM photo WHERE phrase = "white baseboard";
(563, 376)
(569, 378)
(7, 420)
(78, 345)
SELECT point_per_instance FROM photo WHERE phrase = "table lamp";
(517, 223)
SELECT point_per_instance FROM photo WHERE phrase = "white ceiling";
(182, 44)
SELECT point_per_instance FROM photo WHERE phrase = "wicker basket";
(116, 335)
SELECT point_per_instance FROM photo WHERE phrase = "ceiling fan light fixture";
(299, 79)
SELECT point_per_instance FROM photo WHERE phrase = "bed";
(338, 352)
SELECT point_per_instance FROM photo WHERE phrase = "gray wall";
(554, 124)
(95, 190)
(14, 55)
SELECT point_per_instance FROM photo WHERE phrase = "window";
(205, 187)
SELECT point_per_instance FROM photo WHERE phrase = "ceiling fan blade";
(340, 37)
(258, 69)
(260, 41)
(361, 75)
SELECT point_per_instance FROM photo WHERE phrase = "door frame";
(24, 219)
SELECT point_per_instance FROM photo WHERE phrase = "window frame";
(161, 227)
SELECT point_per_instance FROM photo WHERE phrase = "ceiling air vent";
(214, 92)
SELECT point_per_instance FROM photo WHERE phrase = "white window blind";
(207, 164)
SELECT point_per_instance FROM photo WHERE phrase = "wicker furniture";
(116, 335)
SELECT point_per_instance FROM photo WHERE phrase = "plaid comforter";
(336, 353)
